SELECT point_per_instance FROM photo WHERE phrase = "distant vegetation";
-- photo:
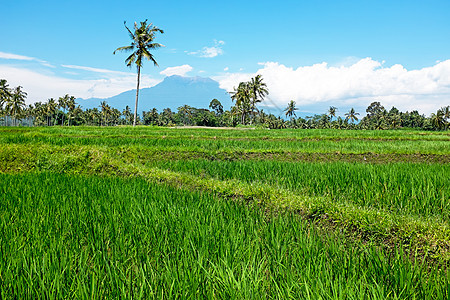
(64, 111)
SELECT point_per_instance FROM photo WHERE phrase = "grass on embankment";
(400, 188)
(89, 237)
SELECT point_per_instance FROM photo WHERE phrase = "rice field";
(243, 214)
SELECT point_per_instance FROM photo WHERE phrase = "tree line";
(65, 111)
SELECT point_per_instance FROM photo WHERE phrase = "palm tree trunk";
(137, 95)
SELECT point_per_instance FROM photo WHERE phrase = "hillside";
(173, 92)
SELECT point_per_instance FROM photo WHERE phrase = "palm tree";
(51, 107)
(106, 111)
(446, 115)
(438, 119)
(16, 103)
(259, 91)
(242, 95)
(185, 112)
(216, 106)
(5, 94)
(332, 112)
(71, 104)
(142, 42)
(64, 102)
(127, 115)
(290, 109)
(352, 115)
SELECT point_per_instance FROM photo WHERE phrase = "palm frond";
(124, 48)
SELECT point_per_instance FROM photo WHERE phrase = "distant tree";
(351, 115)
(290, 109)
(258, 92)
(216, 106)
(142, 43)
(152, 117)
(5, 93)
(242, 95)
(50, 110)
(128, 115)
(332, 112)
(185, 114)
(63, 103)
(167, 116)
(105, 112)
(324, 121)
(445, 111)
(375, 109)
(16, 103)
(438, 120)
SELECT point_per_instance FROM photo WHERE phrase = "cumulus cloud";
(178, 70)
(210, 52)
(356, 84)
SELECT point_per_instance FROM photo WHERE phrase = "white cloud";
(210, 52)
(178, 70)
(4, 55)
(226, 69)
(40, 86)
(356, 84)
(95, 70)
(15, 56)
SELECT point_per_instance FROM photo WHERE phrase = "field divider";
(429, 237)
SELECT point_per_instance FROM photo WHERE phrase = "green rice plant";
(201, 140)
(405, 188)
(233, 133)
(67, 236)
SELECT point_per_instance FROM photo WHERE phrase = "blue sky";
(318, 53)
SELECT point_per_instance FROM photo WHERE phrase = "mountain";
(173, 92)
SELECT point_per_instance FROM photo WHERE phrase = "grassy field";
(206, 213)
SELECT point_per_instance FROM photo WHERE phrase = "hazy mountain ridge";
(174, 91)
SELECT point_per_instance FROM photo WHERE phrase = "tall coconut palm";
(51, 107)
(142, 42)
(290, 109)
(71, 104)
(351, 115)
(332, 112)
(185, 113)
(438, 119)
(259, 91)
(105, 111)
(242, 95)
(5, 93)
(63, 103)
(16, 103)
